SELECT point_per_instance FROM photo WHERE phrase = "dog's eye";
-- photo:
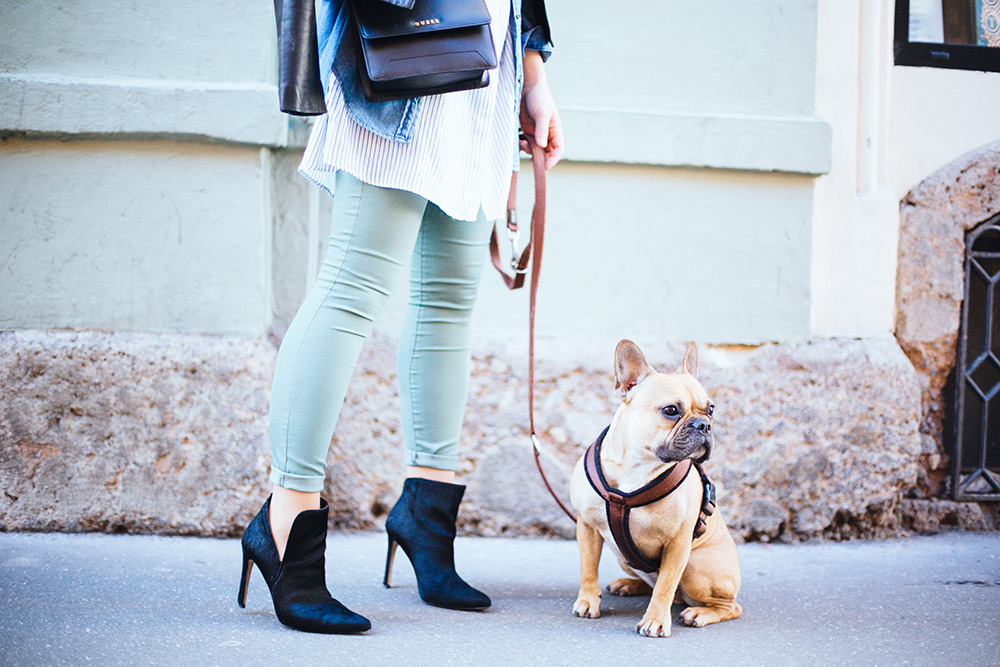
(711, 410)
(670, 411)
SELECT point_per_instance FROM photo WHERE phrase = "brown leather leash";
(519, 265)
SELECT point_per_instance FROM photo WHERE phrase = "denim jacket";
(395, 119)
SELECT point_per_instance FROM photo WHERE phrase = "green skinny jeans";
(374, 231)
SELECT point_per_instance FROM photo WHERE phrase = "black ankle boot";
(423, 523)
(297, 582)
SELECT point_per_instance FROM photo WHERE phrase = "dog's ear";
(690, 363)
(631, 368)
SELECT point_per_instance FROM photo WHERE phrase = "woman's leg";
(371, 237)
(433, 365)
(434, 358)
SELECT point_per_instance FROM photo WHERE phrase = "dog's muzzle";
(694, 441)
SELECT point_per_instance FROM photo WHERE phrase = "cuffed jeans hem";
(301, 483)
(436, 461)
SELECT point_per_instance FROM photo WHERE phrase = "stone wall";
(934, 218)
(813, 440)
(131, 432)
(167, 434)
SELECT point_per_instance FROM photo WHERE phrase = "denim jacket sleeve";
(394, 119)
(535, 32)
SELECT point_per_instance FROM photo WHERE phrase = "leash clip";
(514, 235)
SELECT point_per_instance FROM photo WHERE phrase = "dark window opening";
(976, 451)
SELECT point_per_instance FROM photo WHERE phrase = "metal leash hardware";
(514, 235)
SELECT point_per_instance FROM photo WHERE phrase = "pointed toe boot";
(297, 582)
(423, 522)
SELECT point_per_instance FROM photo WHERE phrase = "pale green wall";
(136, 165)
(183, 40)
(707, 235)
(148, 179)
(150, 236)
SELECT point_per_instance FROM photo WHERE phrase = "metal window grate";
(976, 463)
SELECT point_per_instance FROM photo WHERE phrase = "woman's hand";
(539, 117)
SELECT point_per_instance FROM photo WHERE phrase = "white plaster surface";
(892, 127)
(937, 116)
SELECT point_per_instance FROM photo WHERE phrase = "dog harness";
(619, 504)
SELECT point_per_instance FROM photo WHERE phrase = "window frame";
(941, 55)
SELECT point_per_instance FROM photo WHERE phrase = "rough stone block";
(132, 432)
(168, 434)
(934, 219)
(812, 438)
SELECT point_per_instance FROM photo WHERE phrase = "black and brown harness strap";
(619, 504)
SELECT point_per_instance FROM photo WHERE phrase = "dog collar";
(618, 504)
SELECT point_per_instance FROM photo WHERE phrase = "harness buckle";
(708, 499)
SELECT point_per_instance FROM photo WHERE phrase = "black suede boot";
(423, 523)
(297, 582)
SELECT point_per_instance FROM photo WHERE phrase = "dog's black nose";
(701, 425)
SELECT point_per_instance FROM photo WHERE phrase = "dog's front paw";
(653, 627)
(629, 586)
(587, 606)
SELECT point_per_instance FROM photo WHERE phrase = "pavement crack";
(971, 582)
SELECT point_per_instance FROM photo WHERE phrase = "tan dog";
(664, 418)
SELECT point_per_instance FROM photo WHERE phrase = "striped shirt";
(463, 148)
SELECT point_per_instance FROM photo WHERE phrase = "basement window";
(976, 461)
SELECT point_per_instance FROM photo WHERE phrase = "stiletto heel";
(297, 582)
(423, 522)
(390, 556)
(241, 596)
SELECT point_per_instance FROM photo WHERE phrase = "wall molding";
(247, 113)
(745, 142)
(242, 113)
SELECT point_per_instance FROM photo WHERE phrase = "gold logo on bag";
(421, 24)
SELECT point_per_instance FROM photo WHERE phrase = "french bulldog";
(663, 419)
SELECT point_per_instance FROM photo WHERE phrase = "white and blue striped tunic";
(463, 148)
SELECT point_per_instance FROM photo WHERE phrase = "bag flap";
(377, 20)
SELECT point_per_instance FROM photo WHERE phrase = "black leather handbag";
(438, 46)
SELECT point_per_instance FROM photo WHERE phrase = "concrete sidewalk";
(139, 600)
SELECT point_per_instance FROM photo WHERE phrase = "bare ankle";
(286, 504)
(432, 474)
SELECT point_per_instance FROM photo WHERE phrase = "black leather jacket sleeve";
(300, 91)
